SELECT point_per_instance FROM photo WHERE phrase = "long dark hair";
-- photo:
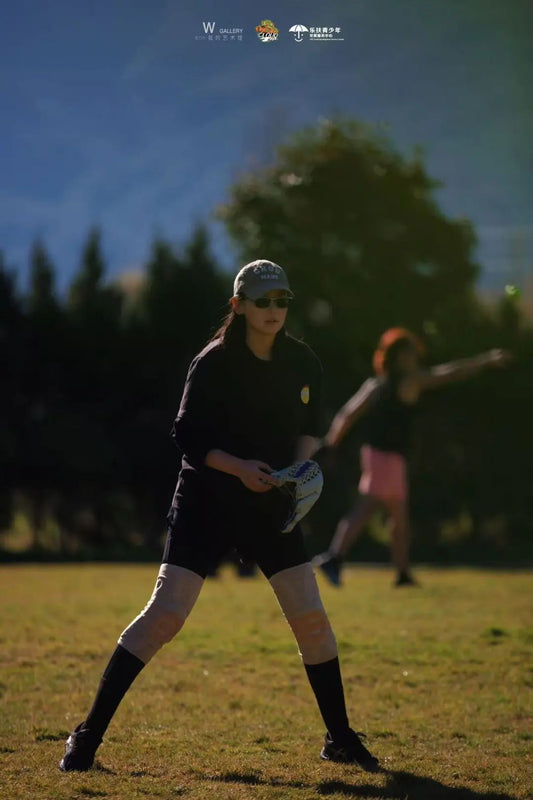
(232, 329)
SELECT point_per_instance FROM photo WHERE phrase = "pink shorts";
(384, 474)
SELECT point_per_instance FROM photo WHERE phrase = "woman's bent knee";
(297, 592)
(173, 598)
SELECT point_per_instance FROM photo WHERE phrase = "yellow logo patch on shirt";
(304, 394)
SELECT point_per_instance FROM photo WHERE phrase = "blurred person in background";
(386, 406)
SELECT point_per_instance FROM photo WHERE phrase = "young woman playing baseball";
(250, 406)
(387, 405)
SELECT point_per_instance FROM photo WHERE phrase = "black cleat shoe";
(405, 579)
(80, 749)
(350, 751)
(330, 566)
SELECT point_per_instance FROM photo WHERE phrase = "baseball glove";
(303, 482)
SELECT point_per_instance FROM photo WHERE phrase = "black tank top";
(388, 422)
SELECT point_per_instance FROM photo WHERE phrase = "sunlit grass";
(439, 677)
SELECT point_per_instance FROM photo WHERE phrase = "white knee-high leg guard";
(297, 592)
(175, 593)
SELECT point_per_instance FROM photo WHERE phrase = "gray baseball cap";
(259, 277)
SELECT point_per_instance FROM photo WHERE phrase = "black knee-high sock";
(326, 682)
(121, 671)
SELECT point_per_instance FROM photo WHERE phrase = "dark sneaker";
(350, 751)
(80, 749)
(330, 566)
(405, 579)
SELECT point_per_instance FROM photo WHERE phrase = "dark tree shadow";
(399, 785)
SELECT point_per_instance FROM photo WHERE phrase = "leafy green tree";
(366, 246)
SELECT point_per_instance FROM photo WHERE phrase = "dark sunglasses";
(269, 302)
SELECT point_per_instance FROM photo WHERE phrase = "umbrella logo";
(298, 31)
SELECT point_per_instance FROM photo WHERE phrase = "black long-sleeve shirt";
(388, 423)
(253, 409)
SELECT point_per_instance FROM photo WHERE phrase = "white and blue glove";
(303, 482)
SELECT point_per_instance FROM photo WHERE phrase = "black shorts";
(199, 539)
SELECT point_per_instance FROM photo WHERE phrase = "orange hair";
(390, 338)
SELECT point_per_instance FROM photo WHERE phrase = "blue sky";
(113, 113)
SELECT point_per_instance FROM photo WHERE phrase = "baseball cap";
(259, 277)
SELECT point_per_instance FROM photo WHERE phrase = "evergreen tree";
(12, 401)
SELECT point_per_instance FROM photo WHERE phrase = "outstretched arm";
(350, 412)
(462, 369)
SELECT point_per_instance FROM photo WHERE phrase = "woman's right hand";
(498, 358)
(255, 475)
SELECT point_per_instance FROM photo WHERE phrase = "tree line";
(91, 378)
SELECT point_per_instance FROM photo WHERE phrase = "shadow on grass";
(404, 784)
(399, 785)
(44, 735)
(100, 768)
(254, 779)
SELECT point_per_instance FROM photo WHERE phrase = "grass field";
(439, 677)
